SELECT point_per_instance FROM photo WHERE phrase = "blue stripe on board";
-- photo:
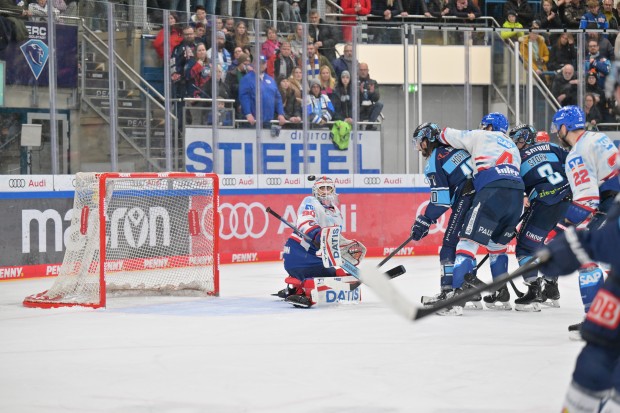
(32, 195)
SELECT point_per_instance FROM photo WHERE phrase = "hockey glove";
(559, 229)
(352, 250)
(566, 254)
(420, 227)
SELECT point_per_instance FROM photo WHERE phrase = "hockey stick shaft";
(347, 266)
(400, 247)
(498, 282)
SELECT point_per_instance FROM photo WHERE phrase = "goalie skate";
(499, 300)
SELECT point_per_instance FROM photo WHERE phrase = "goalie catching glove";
(420, 227)
(335, 248)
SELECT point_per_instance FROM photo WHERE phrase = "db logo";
(439, 225)
(372, 180)
(273, 181)
(17, 183)
(228, 181)
(242, 220)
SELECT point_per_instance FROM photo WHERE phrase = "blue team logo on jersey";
(577, 162)
(36, 53)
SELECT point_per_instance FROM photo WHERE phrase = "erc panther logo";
(36, 53)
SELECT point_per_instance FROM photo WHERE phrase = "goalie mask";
(324, 190)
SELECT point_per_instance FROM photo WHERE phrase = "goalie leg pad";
(337, 290)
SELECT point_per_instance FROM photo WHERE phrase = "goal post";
(138, 234)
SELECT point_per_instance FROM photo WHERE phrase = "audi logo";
(229, 181)
(242, 220)
(372, 180)
(273, 181)
(17, 183)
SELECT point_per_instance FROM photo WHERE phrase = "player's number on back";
(505, 157)
(546, 171)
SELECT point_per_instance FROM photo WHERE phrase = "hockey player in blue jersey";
(497, 205)
(449, 174)
(301, 261)
(592, 166)
(596, 377)
(548, 192)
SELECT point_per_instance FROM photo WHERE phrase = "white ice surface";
(248, 352)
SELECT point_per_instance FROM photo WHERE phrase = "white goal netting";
(138, 234)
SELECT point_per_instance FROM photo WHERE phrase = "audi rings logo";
(17, 183)
(242, 220)
(228, 181)
(439, 225)
(273, 181)
(372, 180)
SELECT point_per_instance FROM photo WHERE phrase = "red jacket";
(176, 37)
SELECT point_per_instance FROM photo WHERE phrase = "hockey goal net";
(138, 234)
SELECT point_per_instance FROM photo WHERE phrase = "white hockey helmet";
(324, 189)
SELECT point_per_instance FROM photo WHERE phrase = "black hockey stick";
(400, 247)
(347, 266)
(388, 293)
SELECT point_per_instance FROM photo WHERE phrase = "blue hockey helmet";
(428, 131)
(496, 120)
(570, 116)
(523, 134)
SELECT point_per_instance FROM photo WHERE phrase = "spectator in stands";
(598, 93)
(319, 108)
(282, 62)
(292, 106)
(269, 47)
(200, 33)
(370, 106)
(466, 9)
(605, 48)
(511, 23)
(233, 78)
(593, 116)
(198, 72)
(327, 81)
(297, 42)
(438, 8)
(345, 61)
(222, 87)
(248, 51)
(315, 62)
(295, 81)
(593, 18)
(522, 9)
(97, 13)
(176, 36)
(241, 37)
(38, 11)
(324, 36)
(563, 52)
(564, 86)
(223, 56)
(20, 14)
(387, 10)
(612, 18)
(342, 99)
(351, 9)
(181, 56)
(416, 8)
(549, 19)
(594, 61)
(571, 13)
(271, 101)
(200, 15)
(235, 55)
(540, 52)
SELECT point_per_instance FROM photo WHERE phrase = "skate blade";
(473, 305)
(452, 311)
(528, 308)
(499, 306)
(551, 303)
(575, 336)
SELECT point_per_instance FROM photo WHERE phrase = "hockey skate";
(574, 332)
(431, 300)
(551, 294)
(530, 302)
(474, 303)
(499, 300)
(299, 300)
(454, 310)
(285, 292)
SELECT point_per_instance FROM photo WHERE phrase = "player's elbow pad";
(578, 213)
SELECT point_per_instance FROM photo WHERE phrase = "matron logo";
(36, 54)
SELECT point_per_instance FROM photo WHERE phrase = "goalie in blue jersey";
(319, 217)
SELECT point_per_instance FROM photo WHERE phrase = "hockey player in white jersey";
(592, 166)
(497, 205)
(301, 262)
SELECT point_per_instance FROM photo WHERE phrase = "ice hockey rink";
(246, 351)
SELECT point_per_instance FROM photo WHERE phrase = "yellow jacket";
(540, 62)
(508, 35)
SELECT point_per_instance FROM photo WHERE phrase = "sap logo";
(485, 231)
(41, 218)
(52, 270)
(332, 296)
(136, 226)
(590, 278)
(534, 237)
(505, 142)
(11, 272)
(247, 257)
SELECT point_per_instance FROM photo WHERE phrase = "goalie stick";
(347, 266)
(410, 310)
